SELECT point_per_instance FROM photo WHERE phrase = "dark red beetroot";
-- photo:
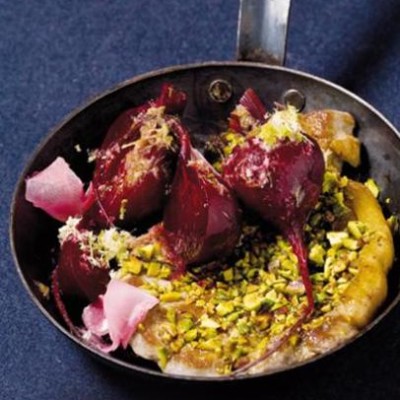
(133, 165)
(76, 272)
(202, 218)
(76, 275)
(282, 183)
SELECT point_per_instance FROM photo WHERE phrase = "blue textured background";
(55, 54)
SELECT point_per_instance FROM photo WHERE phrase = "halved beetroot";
(202, 218)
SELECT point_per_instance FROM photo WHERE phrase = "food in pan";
(265, 254)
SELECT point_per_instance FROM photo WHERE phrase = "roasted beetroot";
(79, 272)
(282, 184)
(278, 172)
(202, 218)
(134, 164)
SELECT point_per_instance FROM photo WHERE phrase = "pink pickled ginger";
(58, 191)
(117, 313)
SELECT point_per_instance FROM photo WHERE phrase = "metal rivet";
(220, 90)
(294, 98)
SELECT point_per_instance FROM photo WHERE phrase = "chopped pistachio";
(251, 288)
(224, 308)
(146, 252)
(317, 277)
(251, 273)
(252, 301)
(260, 293)
(355, 228)
(211, 345)
(208, 333)
(190, 335)
(271, 295)
(171, 297)
(184, 325)
(353, 270)
(320, 297)
(288, 264)
(228, 274)
(171, 315)
(330, 181)
(336, 238)
(295, 288)
(133, 265)
(373, 187)
(221, 295)
(207, 322)
(294, 340)
(351, 244)
(326, 308)
(200, 303)
(280, 286)
(162, 355)
(282, 124)
(153, 268)
(315, 219)
(339, 266)
(233, 317)
(243, 326)
(317, 254)
(165, 272)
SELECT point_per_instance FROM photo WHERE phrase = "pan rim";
(148, 75)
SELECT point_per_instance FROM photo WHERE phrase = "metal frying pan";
(213, 89)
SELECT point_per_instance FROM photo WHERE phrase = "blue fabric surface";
(55, 54)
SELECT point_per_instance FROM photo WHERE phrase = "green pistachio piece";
(162, 355)
(190, 335)
(317, 255)
(252, 301)
(224, 308)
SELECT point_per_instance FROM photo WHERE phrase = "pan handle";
(262, 29)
